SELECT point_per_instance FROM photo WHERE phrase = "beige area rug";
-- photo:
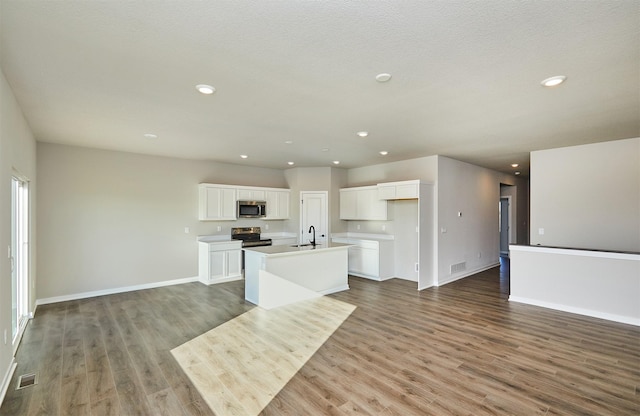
(240, 366)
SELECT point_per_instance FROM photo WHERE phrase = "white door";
(314, 212)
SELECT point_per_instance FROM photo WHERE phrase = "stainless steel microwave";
(252, 209)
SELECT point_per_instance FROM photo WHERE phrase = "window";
(19, 254)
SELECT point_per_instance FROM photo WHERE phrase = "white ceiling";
(466, 77)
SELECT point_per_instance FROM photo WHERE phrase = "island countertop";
(296, 249)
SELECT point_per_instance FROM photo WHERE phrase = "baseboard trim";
(113, 291)
(467, 274)
(578, 311)
(334, 289)
(6, 381)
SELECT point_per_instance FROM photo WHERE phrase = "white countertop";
(364, 236)
(287, 249)
(215, 239)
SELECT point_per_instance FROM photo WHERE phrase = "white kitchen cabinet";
(251, 194)
(216, 203)
(277, 204)
(219, 261)
(362, 203)
(399, 190)
(372, 259)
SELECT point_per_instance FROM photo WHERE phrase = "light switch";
(540, 231)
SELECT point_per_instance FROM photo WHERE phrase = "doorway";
(314, 212)
(19, 257)
(504, 210)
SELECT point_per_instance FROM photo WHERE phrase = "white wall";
(594, 283)
(587, 196)
(17, 153)
(316, 179)
(472, 238)
(113, 219)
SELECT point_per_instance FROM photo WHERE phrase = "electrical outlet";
(186, 230)
(266, 226)
(479, 254)
(540, 231)
(357, 226)
(417, 267)
(219, 228)
(384, 227)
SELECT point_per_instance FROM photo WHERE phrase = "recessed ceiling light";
(517, 173)
(150, 136)
(383, 77)
(290, 163)
(363, 133)
(205, 89)
(514, 165)
(288, 142)
(336, 162)
(244, 156)
(326, 149)
(384, 153)
(553, 81)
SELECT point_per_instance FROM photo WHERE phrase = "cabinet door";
(234, 263)
(217, 203)
(283, 205)
(248, 194)
(228, 204)
(370, 262)
(355, 260)
(348, 205)
(369, 206)
(277, 205)
(217, 267)
(386, 191)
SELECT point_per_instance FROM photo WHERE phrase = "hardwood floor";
(458, 349)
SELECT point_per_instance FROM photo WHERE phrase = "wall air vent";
(458, 267)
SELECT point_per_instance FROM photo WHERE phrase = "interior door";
(314, 212)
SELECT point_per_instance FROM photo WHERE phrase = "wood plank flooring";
(459, 349)
(240, 366)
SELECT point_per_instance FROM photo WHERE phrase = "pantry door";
(314, 211)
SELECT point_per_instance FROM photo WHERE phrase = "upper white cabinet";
(251, 194)
(217, 202)
(399, 190)
(277, 204)
(362, 203)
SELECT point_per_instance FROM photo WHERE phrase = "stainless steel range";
(250, 236)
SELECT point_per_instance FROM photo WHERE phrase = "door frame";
(301, 230)
(510, 230)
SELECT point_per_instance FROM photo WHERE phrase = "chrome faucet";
(313, 242)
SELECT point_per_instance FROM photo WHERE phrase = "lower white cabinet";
(372, 259)
(219, 261)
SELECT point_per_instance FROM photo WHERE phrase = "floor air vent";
(27, 380)
(458, 267)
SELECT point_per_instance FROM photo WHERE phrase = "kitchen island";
(279, 275)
